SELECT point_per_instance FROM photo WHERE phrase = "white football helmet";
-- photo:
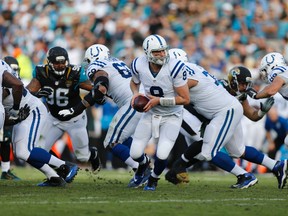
(155, 43)
(269, 62)
(178, 54)
(96, 52)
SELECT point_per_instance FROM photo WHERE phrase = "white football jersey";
(3, 67)
(283, 73)
(208, 96)
(119, 78)
(160, 84)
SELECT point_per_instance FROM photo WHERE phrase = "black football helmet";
(13, 63)
(239, 74)
(58, 60)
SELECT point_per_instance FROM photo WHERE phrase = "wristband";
(167, 101)
(261, 113)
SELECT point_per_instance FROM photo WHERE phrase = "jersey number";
(156, 91)
(123, 70)
(58, 97)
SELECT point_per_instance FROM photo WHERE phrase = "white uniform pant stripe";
(123, 121)
(34, 129)
(223, 132)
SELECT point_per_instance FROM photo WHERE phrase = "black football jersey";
(65, 89)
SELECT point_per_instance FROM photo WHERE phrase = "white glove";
(66, 112)
(13, 114)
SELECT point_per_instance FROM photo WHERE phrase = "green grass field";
(107, 194)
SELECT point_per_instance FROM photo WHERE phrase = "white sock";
(268, 162)
(54, 161)
(131, 163)
(237, 170)
(48, 171)
(5, 166)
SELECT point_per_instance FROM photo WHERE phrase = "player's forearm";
(134, 87)
(17, 91)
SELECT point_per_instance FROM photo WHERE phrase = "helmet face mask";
(237, 77)
(178, 54)
(58, 61)
(269, 62)
(156, 43)
(96, 52)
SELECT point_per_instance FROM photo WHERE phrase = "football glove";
(24, 112)
(66, 112)
(265, 107)
(251, 92)
(43, 92)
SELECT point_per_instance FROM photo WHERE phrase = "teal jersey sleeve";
(34, 73)
(83, 76)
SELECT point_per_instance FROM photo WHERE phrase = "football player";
(111, 78)
(26, 133)
(239, 79)
(5, 135)
(165, 83)
(60, 82)
(274, 70)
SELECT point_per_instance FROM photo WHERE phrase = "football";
(140, 102)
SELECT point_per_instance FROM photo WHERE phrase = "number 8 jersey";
(65, 89)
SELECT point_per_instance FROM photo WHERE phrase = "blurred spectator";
(276, 130)
(282, 153)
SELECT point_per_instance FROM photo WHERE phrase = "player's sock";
(181, 163)
(39, 155)
(159, 166)
(5, 166)
(56, 162)
(253, 155)
(5, 151)
(35, 164)
(268, 162)
(223, 161)
(193, 150)
(128, 142)
(121, 151)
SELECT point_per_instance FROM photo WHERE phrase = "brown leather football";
(140, 102)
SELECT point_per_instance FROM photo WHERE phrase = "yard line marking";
(89, 201)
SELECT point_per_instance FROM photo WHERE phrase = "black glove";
(24, 112)
(98, 96)
(43, 92)
(251, 92)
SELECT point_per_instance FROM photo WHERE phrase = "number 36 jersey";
(119, 76)
(65, 89)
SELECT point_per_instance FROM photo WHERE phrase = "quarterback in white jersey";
(111, 78)
(165, 83)
(10, 81)
(25, 136)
